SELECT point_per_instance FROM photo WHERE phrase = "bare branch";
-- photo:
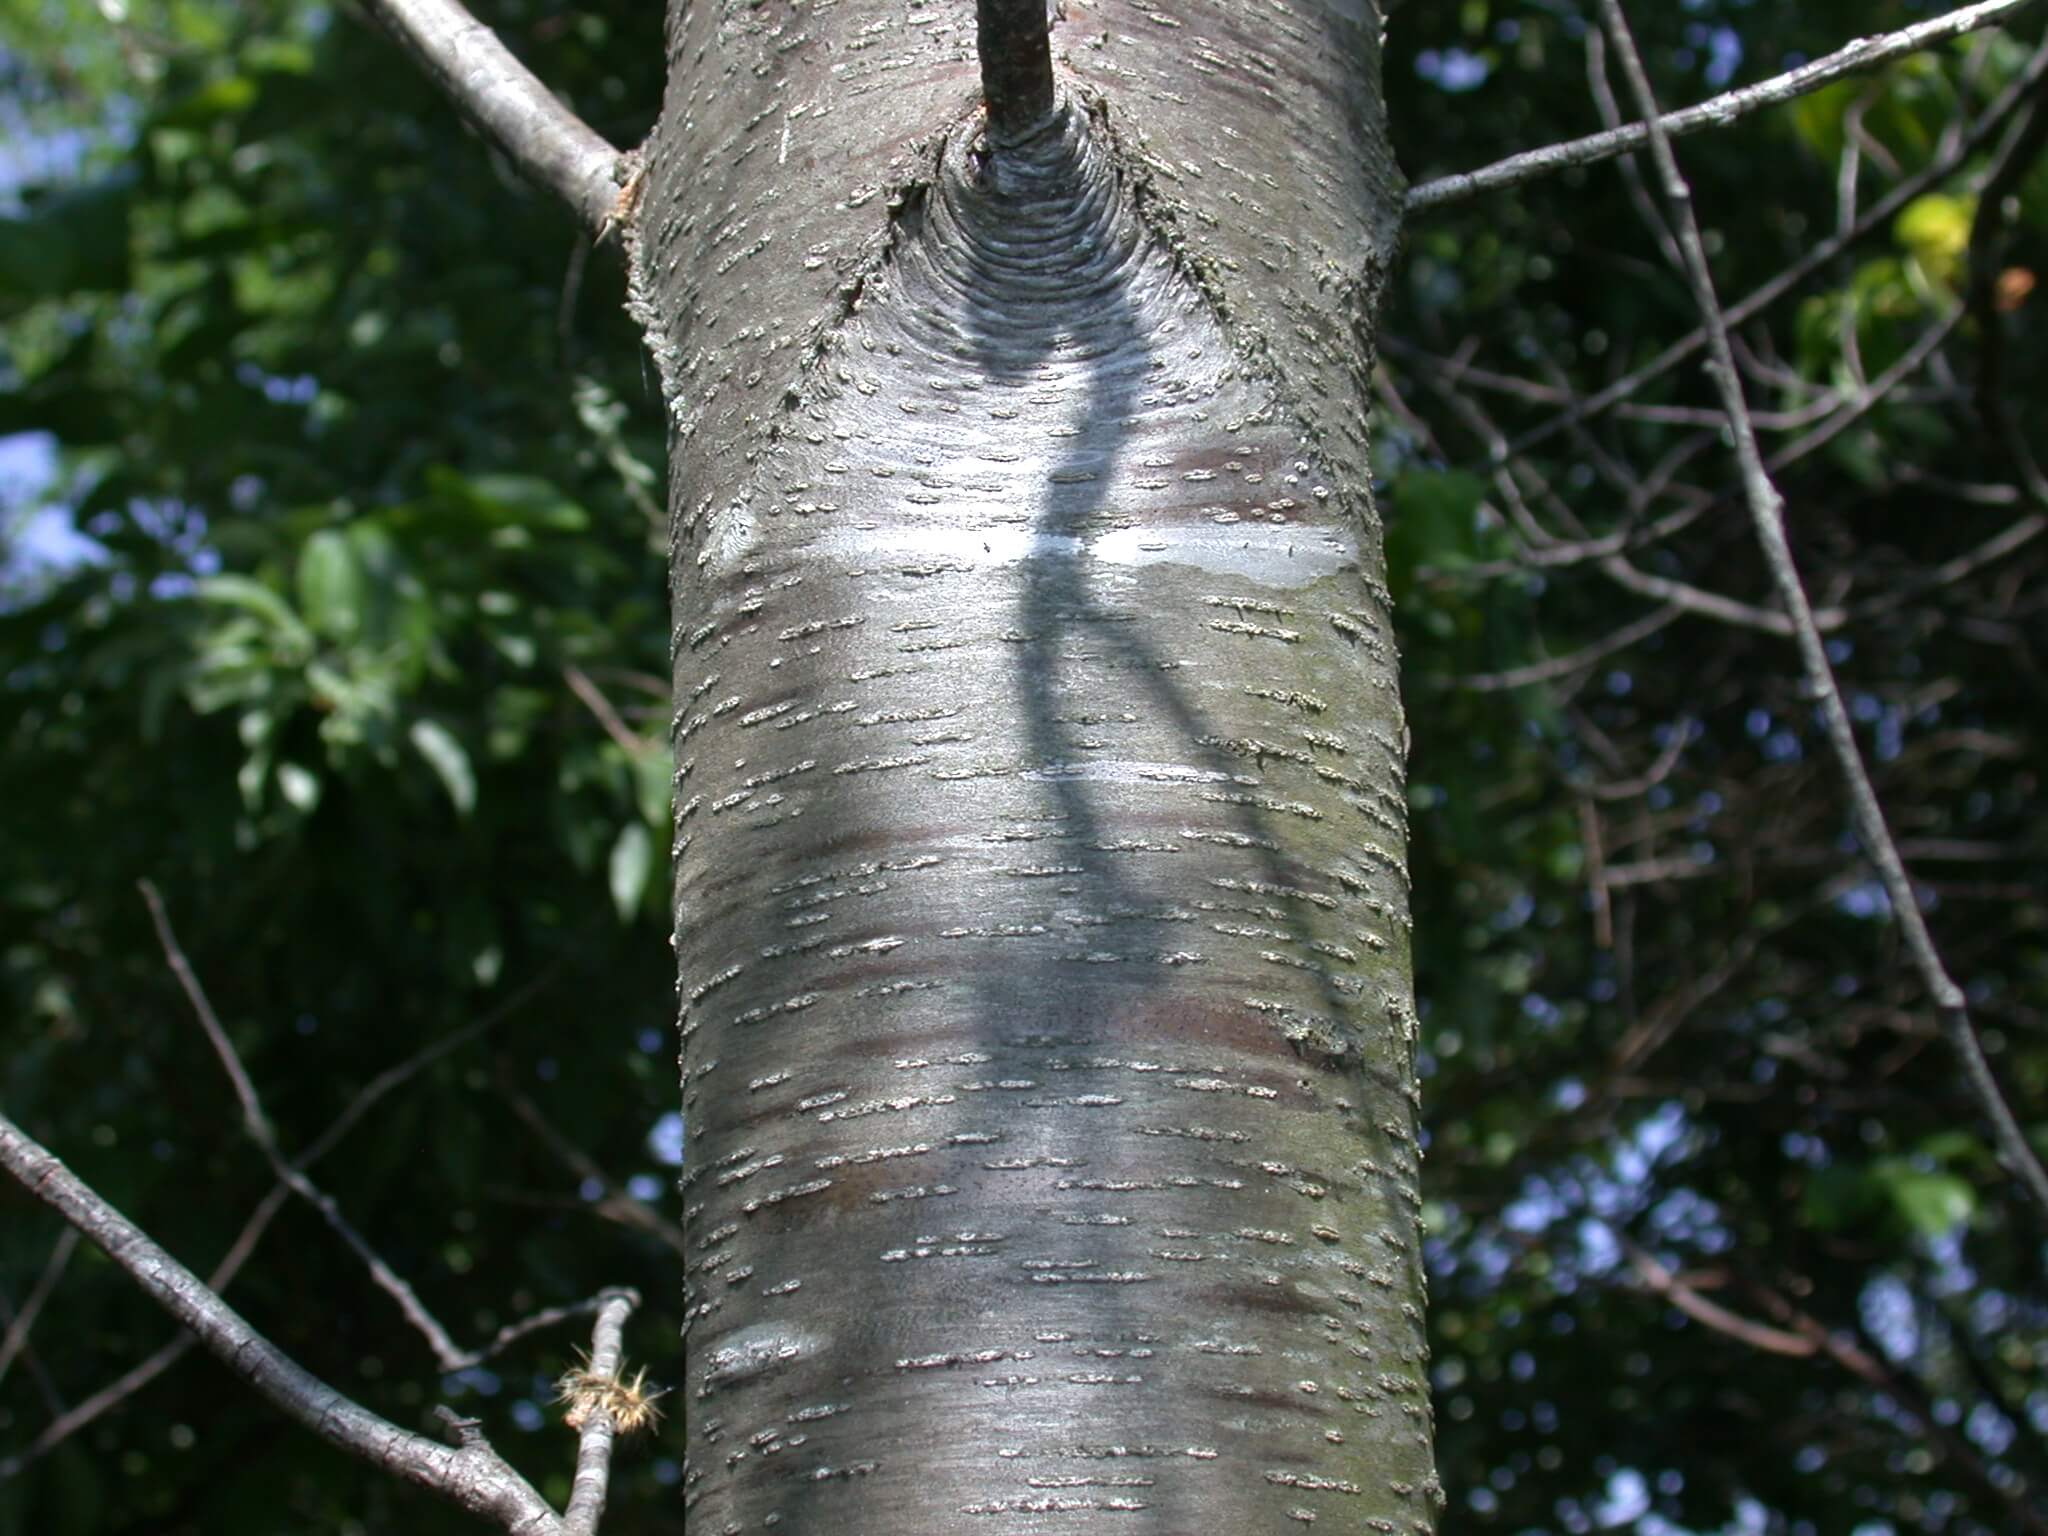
(1861, 54)
(447, 1353)
(602, 1406)
(1767, 513)
(470, 1475)
(617, 1204)
(20, 1324)
(1662, 1282)
(1573, 661)
(550, 144)
(115, 1392)
(594, 700)
(1949, 155)
(1011, 36)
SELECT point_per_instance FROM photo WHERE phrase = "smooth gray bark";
(1042, 919)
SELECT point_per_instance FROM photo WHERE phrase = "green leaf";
(331, 585)
(251, 777)
(520, 501)
(277, 55)
(631, 862)
(224, 97)
(1930, 1203)
(445, 755)
(1836, 1197)
(651, 775)
(1953, 1146)
(74, 242)
(519, 649)
(1434, 523)
(1817, 118)
(300, 786)
(1936, 229)
(252, 596)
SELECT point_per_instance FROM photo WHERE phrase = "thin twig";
(2014, 536)
(1011, 37)
(2016, 158)
(602, 1407)
(447, 1353)
(520, 116)
(617, 1204)
(1802, 1336)
(1596, 873)
(1852, 57)
(1573, 661)
(1660, 1281)
(110, 1395)
(143, 1372)
(472, 1475)
(1708, 605)
(1948, 157)
(546, 1317)
(395, 1077)
(1680, 738)
(1860, 404)
(1602, 92)
(20, 1324)
(601, 707)
(113, 1393)
(45, 1382)
(1863, 1361)
(1767, 513)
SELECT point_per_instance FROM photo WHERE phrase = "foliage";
(1669, 1023)
(364, 452)
(362, 660)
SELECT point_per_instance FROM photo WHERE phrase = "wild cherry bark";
(1042, 924)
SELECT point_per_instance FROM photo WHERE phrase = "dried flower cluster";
(631, 1404)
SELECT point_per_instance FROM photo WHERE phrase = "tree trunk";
(1041, 908)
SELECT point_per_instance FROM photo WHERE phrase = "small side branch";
(1954, 147)
(1851, 58)
(447, 1353)
(616, 1204)
(602, 1407)
(1013, 39)
(69, 1422)
(1660, 1281)
(550, 144)
(19, 1324)
(254, 1119)
(1554, 667)
(1767, 515)
(470, 1475)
